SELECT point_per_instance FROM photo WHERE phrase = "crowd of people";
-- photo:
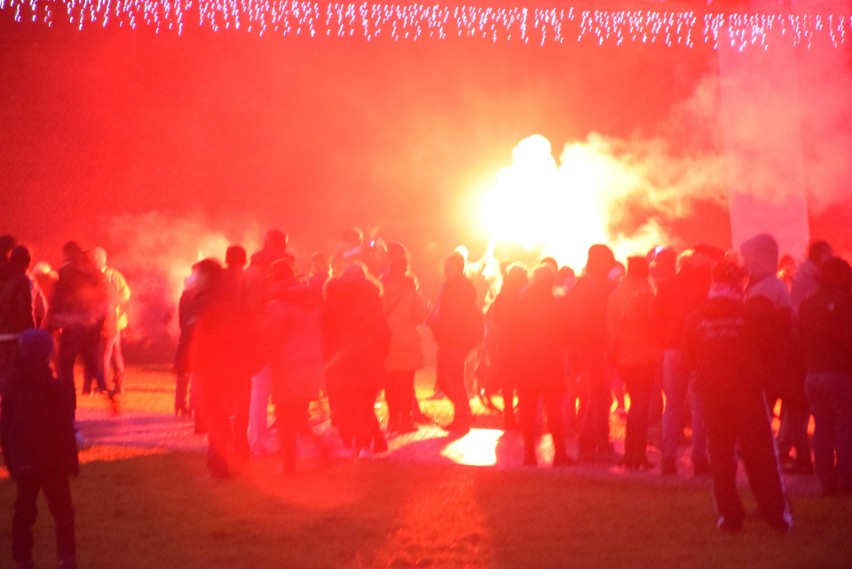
(705, 338)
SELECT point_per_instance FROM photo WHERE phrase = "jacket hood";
(760, 256)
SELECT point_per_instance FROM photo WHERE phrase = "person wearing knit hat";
(39, 447)
(724, 345)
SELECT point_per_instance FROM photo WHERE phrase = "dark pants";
(291, 419)
(399, 393)
(450, 372)
(224, 412)
(57, 490)
(639, 382)
(595, 401)
(529, 399)
(84, 341)
(743, 418)
(357, 422)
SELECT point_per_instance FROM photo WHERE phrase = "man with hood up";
(786, 374)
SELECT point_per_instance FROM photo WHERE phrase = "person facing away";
(725, 343)
(586, 309)
(825, 325)
(254, 295)
(39, 447)
(356, 339)
(540, 364)
(506, 312)
(405, 311)
(77, 311)
(636, 352)
(16, 308)
(291, 343)
(222, 359)
(457, 326)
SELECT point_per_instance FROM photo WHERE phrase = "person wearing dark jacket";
(725, 345)
(356, 339)
(223, 357)
(16, 308)
(586, 313)
(540, 371)
(77, 311)
(37, 435)
(675, 301)
(457, 326)
(506, 311)
(635, 350)
(825, 324)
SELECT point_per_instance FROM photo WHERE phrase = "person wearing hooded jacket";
(39, 447)
(405, 311)
(769, 294)
(636, 352)
(291, 341)
(356, 339)
(586, 311)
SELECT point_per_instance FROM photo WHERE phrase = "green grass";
(160, 512)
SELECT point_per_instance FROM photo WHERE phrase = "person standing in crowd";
(77, 312)
(793, 445)
(725, 343)
(256, 296)
(540, 371)
(356, 339)
(586, 310)
(825, 325)
(457, 326)
(635, 351)
(405, 311)
(222, 359)
(114, 323)
(39, 447)
(807, 279)
(767, 292)
(673, 305)
(235, 264)
(16, 307)
(192, 303)
(291, 342)
(506, 313)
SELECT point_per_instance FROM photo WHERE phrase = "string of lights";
(373, 21)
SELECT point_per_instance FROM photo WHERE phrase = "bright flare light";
(547, 208)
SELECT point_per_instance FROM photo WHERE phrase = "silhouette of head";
(600, 260)
(235, 256)
(19, 259)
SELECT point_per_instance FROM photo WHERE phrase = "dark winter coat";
(81, 297)
(356, 337)
(16, 304)
(825, 328)
(457, 321)
(37, 424)
(542, 336)
(724, 342)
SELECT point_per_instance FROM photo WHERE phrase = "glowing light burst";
(542, 206)
(415, 22)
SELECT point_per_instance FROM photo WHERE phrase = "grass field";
(148, 509)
